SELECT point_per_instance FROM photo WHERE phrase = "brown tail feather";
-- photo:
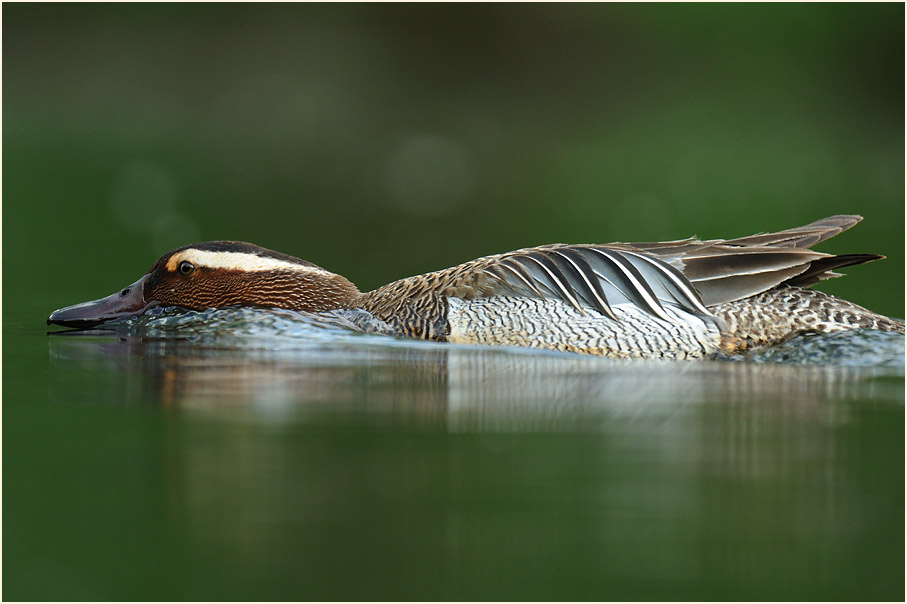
(723, 271)
(801, 237)
(822, 269)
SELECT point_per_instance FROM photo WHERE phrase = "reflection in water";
(454, 387)
(362, 467)
(459, 389)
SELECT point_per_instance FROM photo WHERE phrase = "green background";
(386, 141)
(381, 141)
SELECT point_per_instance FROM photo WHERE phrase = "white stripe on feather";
(557, 282)
(604, 304)
(691, 294)
(653, 303)
(521, 277)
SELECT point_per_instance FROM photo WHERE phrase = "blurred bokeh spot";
(145, 200)
(382, 141)
(430, 175)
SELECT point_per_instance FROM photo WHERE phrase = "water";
(174, 458)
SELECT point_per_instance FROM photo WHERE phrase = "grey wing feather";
(596, 277)
(733, 269)
(585, 280)
(690, 274)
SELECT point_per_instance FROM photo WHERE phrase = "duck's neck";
(319, 292)
(305, 290)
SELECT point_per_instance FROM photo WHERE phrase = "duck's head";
(216, 274)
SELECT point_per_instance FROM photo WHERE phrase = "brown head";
(217, 274)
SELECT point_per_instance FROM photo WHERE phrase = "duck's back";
(677, 299)
(593, 299)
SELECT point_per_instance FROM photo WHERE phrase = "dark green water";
(387, 141)
(255, 468)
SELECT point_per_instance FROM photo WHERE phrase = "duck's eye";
(185, 267)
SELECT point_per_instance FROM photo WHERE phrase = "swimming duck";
(677, 299)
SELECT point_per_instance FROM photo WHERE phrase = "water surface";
(298, 461)
(171, 459)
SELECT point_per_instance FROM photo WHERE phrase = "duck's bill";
(129, 302)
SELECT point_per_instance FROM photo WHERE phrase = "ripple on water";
(270, 328)
(857, 348)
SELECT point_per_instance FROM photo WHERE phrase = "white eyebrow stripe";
(238, 261)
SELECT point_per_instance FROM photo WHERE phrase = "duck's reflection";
(457, 387)
(477, 468)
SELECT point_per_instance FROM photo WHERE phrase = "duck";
(680, 299)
